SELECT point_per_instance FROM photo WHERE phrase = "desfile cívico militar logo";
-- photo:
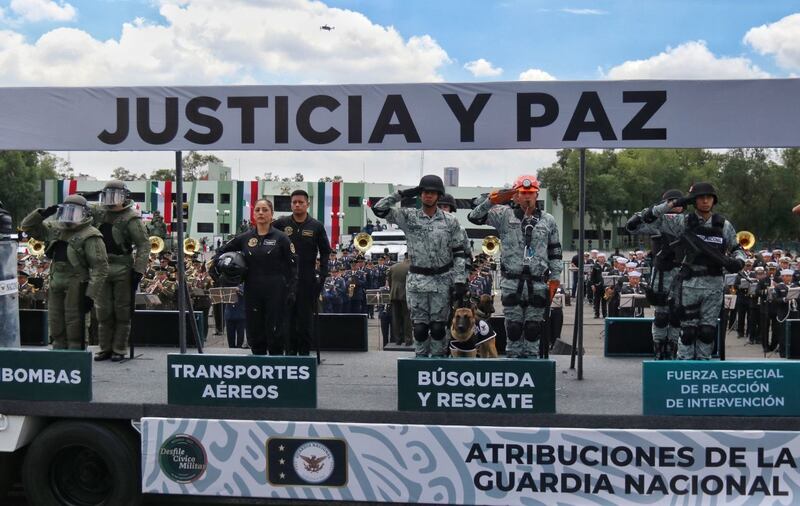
(182, 458)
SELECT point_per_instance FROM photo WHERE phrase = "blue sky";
(133, 42)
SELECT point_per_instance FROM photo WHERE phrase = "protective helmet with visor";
(73, 211)
(114, 193)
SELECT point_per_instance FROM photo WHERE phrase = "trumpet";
(36, 247)
(362, 242)
(608, 293)
(190, 246)
(746, 239)
(491, 245)
(156, 244)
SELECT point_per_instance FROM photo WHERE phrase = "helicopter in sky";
(327, 28)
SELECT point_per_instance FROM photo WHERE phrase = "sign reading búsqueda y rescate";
(242, 380)
(504, 115)
(743, 388)
(45, 375)
(467, 465)
(487, 385)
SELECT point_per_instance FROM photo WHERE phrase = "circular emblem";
(288, 230)
(291, 247)
(252, 242)
(182, 458)
(313, 462)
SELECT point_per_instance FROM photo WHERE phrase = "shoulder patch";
(288, 230)
(291, 247)
(483, 328)
(252, 242)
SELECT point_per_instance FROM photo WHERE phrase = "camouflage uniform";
(529, 258)
(436, 250)
(157, 226)
(700, 295)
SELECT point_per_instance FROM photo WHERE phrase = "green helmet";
(73, 211)
(114, 192)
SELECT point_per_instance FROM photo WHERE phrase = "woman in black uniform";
(271, 280)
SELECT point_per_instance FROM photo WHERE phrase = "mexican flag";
(246, 196)
(161, 200)
(64, 188)
(329, 203)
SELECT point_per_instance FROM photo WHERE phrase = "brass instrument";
(156, 244)
(190, 246)
(36, 247)
(608, 293)
(351, 290)
(746, 239)
(491, 245)
(362, 242)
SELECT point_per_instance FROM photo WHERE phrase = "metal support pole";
(181, 267)
(577, 332)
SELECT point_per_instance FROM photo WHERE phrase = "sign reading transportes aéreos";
(45, 375)
(741, 388)
(242, 380)
(427, 116)
(434, 464)
(486, 385)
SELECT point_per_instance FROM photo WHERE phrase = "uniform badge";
(252, 242)
(291, 247)
(288, 230)
(308, 233)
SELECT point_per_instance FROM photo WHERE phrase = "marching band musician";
(599, 268)
(530, 263)
(634, 287)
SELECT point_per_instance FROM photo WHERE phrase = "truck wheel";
(9, 471)
(82, 463)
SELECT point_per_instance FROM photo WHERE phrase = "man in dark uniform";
(596, 279)
(310, 241)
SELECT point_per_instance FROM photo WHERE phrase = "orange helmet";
(526, 184)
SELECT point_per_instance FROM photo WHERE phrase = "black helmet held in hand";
(703, 188)
(231, 268)
(431, 183)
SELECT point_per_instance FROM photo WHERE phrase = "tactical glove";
(634, 222)
(50, 211)
(410, 193)
(683, 202)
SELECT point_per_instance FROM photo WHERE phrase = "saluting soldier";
(128, 250)
(436, 248)
(530, 260)
(79, 269)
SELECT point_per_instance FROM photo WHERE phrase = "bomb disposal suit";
(79, 267)
(666, 327)
(436, 249)
(707, 239)
(530, 260)
(128, 249)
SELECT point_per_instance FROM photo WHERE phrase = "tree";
(298, 177)
(193, 162)
(22, 173)
(123, 174)
(163, 175)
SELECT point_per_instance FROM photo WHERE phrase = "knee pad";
(421, 331)
(437, 330)
(688, 335)
(674, 319)
(661, 320)
(532, 330)
(513, 330)
(707, 334)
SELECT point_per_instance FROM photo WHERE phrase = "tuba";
(746, 239)
(190, 246)
(156, 244)
(362, 242)
(491, 245)
(36, 247)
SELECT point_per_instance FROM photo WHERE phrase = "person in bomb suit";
(530, 260)
(436, 248)
(128, 250)
(708, 240)
(79, 267)
(666, 328)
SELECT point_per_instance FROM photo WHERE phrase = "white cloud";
(43, 10)
(230, 42)
(690, 60)
(536, 75)
(780, 39)
(483, 68)
(584, 12)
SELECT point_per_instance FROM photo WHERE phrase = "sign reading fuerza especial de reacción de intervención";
(242, 380)
(737, 388)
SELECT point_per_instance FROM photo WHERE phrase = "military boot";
(515, 349)
(422, 348)
(437, 348)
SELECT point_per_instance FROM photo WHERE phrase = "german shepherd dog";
(471, 337)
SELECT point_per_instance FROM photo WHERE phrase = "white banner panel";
(468, 465)
(508, 115)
